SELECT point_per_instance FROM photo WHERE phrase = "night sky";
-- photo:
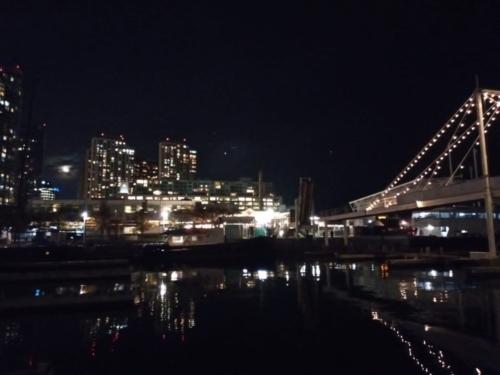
(343, 91)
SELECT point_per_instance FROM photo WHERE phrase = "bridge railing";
(437, 189)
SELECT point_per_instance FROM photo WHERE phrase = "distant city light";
(124, 188)
(165, 213)
(262, 274)
(264, 218)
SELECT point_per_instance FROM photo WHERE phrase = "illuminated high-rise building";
(177, 161)
(109, 168)
(145, 170)
(11, 94)
(31, 148)
(45, 191)
(145, 176)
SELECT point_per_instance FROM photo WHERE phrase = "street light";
(85, 216)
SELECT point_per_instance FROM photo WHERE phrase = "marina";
(360, 315)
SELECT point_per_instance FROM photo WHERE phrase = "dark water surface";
(283, 318)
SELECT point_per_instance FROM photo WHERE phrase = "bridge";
(437, 176)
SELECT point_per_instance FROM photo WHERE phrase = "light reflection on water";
(445, 297)
(201, 308)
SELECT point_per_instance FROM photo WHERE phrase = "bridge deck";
(438, 196)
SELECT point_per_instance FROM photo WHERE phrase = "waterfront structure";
(150, 214)
(304, 207)
(176, 160)
(432, 179)
(238, 202)
(240, 194)
(452, 222)
(109, 168)
(243, 187)
(11, 94)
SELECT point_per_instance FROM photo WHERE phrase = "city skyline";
(113, 171)
(334, 92)
(231, 187)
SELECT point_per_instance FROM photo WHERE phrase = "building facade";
(241, 187)
(453, 222)
(45, 191)
(145, 177)
(11, 94)
(109, 169)
(176, 161)
(241, 194)
(31, 150)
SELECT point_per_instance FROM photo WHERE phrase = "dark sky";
(343, 91)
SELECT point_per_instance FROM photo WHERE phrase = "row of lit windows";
(266, 201)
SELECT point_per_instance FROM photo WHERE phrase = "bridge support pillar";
(488, 201)
(346, 234)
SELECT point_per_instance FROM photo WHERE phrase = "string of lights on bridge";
(457, 130)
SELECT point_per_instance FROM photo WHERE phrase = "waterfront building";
(11, 94)
(176, 160)
(243, 186)
(242, 194)
(235, 201)
(452, 222)
(117, 216)
(151, 214)
(109, 168)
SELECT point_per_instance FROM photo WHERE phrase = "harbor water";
(281, 317)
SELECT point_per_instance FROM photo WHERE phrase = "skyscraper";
(11, 94)
(145, 176)
(177, 161)
(31, 149)
(145, 170)
(109, 168)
